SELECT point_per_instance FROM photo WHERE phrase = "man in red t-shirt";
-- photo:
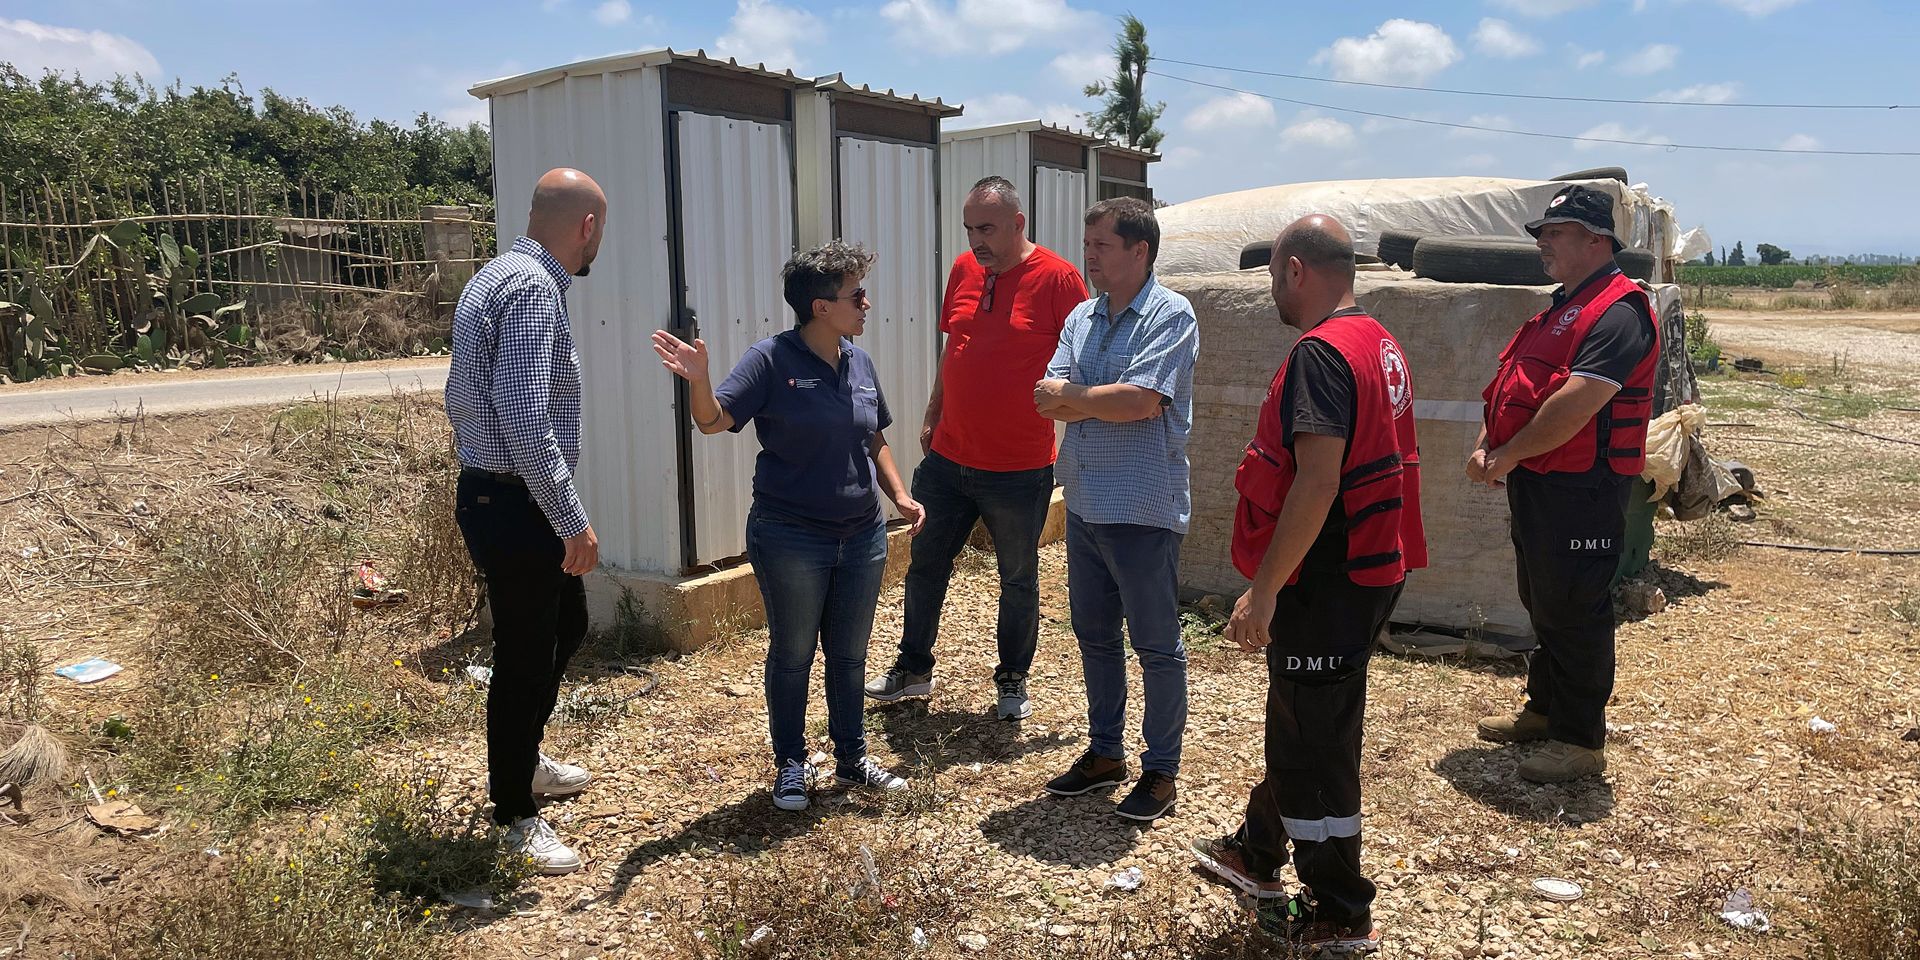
(989, 453)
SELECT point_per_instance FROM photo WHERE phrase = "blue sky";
(1012, 59)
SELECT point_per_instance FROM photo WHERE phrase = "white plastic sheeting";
(736, 230)
(1692, 245)
(1207, 234)
(608, 124)
(887, 205)
(1059, 212)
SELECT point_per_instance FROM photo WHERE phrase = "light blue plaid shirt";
(513, 390)
(1130, 472)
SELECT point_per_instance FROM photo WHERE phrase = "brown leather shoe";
(1516, 728)
(1089, 773)
(1560, 762)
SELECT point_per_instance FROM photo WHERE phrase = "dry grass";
(1709, 762)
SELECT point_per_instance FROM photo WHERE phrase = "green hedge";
(1785, 276)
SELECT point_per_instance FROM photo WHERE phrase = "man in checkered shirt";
(513, 394)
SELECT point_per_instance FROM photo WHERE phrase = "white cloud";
(1080, 69)
(1498, 38)
(764, 31)
(993, 108)
(94, 54)
(1653, 59)
(1800, 141)
(1401, 51)
(1619, 131)
(612, 12)
(990, 27)
(1758, 8)
(1543, 8)
(1179, 157)
(1702, 93)
(1238, 111)
(1591, 58)
(1318, 132)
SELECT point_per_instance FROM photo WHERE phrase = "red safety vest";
(1379, 477)
(1535, 364)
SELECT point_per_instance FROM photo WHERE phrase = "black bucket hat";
(1585, 206)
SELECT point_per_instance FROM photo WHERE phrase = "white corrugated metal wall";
(963, 161)
(1059, 208)
(610, 126)
(887, 203)
(736, 226)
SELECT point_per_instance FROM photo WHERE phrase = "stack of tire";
(1512, 261)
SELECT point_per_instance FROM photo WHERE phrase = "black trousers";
(1323, 631)
(1567, 540)
(539, 621)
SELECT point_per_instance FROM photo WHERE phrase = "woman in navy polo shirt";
(815, 536)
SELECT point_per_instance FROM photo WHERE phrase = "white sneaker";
(555, 779)
(534, 839)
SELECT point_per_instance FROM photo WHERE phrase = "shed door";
(1059, 209)
(735, 183)
(887, 194)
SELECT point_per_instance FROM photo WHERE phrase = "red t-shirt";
(987, 419)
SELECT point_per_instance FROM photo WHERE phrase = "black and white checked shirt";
(513, 390)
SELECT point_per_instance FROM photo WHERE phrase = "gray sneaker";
(897, 683)
(1012, 688)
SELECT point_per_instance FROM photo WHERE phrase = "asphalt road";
(158, 394)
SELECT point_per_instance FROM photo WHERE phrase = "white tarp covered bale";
(1452, 334)
(1207, 234)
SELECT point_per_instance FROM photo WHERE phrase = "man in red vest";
(1565, 430)
(1327, 527)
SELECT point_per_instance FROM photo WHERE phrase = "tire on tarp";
(1396, 247)
(1510, 261)
(1597, 173)
(1637, 264)
(1256, 254)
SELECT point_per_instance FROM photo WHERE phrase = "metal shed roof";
(631, 61)
(1144, 156)
(1023, 126)
(836, 83)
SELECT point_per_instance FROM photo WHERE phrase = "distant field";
(1784, 277)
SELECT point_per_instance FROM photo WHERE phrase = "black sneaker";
(1150, 799)
(1090, 772)
(867, 775)
(790, 784)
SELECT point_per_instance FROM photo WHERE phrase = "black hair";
(818, 273)
(1133, 220)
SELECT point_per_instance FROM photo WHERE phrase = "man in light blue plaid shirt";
(1122, 381)
(513, 394)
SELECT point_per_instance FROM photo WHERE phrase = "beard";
(585, 269)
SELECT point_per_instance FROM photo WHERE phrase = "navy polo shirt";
(815, 424)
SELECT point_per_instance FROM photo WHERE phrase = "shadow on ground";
(1490, 776)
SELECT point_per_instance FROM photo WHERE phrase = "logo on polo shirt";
(807, 383)
(1399, 391)
(1566, 320)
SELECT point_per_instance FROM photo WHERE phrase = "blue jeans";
(818, 590)
(1124, 570)
(1013, 504)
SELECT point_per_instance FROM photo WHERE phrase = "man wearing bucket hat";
(1564, 430)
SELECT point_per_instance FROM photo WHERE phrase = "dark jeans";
(1323, 631)
(819, 591)
(1567, 541)
(539, 620)
(1013, 504)
(1124, 570)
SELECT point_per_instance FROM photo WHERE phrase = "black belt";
(475, 473)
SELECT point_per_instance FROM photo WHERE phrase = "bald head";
(1312, 270)
(568, 214)
(1320, 243)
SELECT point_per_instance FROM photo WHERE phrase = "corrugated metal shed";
(1021, 152)
(608, 123)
